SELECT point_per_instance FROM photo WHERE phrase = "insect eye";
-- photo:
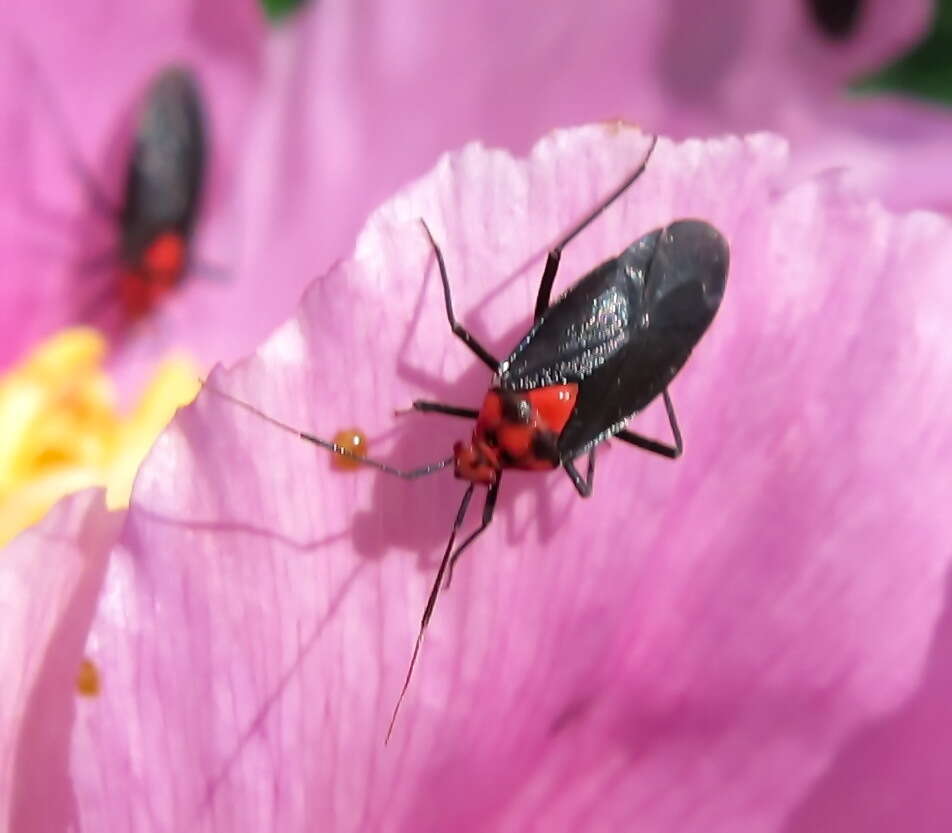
(516, 409)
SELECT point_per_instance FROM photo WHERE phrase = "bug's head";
(476, 462)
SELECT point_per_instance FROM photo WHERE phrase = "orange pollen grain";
(353, 440)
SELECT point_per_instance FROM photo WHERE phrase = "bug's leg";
(334, 448)
(427, 407)
(48, 100)
(488, 508)
(582, 485)
(94, 192)
(208, 269)
(459, 330)
(99, 261)
(101, 204)
(665, 450)
(92, 306)
(431, 601)
(548, 278)
(552, 261)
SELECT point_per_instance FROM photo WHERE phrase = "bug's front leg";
(555, 255)
(458, 329)
(427, 407)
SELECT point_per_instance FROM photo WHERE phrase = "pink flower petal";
(885, 145)
(116, 50)
(50, 578)
(356, 100)
(891, 775)
(361, 98)
(688, 650)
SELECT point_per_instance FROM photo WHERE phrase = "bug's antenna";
(431, 602)
(334, 448)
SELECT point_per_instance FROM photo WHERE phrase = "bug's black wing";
(624, 330)
(585, 328)
(165, 173)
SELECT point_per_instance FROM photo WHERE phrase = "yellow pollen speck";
(355, 441)
(61, 431)
(88, 682)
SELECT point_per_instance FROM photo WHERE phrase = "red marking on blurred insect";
(156, 215)
(161, 269)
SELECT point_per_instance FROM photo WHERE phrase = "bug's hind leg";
(488, 508)
(459, 330)
(665, 450)
(555, 255)
(582, 485)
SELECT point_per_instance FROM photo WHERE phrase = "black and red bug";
(164, 181)
(601, 353)
(162, 191)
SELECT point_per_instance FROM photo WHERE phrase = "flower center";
(61, 429)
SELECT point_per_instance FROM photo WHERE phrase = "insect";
(161, 195)
(162, 191)
(602, 352)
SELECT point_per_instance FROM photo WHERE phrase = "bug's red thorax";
(145, 283)
(517, 430)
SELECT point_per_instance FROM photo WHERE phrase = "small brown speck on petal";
(88, 683)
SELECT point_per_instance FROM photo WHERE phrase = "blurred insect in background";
(162, 192)
(601, 353)
(156, 215)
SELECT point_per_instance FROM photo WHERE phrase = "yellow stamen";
(61, 430)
